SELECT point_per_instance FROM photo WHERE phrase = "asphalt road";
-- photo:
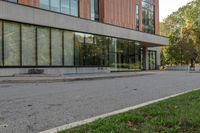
(29, 108)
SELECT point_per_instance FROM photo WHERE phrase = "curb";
(70, 79)
(87, 121)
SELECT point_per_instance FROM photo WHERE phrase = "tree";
(183, 29)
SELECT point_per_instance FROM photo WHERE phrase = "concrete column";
(146, 61)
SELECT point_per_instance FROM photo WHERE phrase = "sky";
(169, 6)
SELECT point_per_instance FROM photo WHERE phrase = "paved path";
(29, 108)
(68, 78)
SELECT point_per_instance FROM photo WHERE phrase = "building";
(79, 36)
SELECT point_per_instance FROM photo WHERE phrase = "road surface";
(29, 108)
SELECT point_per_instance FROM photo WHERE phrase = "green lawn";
(176, 115)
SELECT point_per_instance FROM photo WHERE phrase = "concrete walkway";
(69, 77)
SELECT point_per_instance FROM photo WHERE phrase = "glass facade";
(29, 45)
(94, 9)
(148, 16)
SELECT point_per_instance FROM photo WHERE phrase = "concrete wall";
(19, 13)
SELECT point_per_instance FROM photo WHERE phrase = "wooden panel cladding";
(101, 10)
(84, 9)
(140, 14)
(119, 12)
(34, 3)
(157, 30)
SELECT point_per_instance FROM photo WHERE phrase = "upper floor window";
(15, 1)
(55, 5)
(137, 18)
(148, 16)
(94, 9)
(74, 7)
(65, 6)
(44, 4)
(149, 1)
(69, 7)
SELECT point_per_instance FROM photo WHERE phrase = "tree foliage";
(183, 29)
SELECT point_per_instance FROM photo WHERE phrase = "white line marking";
(86, 121)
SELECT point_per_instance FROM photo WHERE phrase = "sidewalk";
(68, 78)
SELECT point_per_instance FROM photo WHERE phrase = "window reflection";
(124, 54)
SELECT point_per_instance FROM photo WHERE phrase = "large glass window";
(56, 47)
(91, 50)
(43, 46)
(79, 41)
(94, 9)
(55, 5)
(1, 51)
(28, 45)
(45, 4)
(148, 17)
(94, 46)
(134, 55)
(124, 54)
(65, 6)
(113, 53)
(68, 48)
(102, 45)
(87, 51)
(11, 44)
